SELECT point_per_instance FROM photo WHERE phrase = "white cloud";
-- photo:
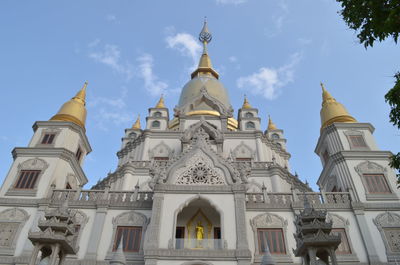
(268, 81)
(110, 112)
(94, 43)
(111, 56)
(231, 2)
(278, 19)
(187, 45)
(151, 82)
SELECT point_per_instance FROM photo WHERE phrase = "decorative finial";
(322, 86)
(205, 35)
(160, 103)
(271, 125)
(137, 126)
(246, 104)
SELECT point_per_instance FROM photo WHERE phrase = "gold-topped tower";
(205, 66)
(271, 124)
(246, 104)
(161, 103)
(74, 110)
(137, 125)
(333, 111)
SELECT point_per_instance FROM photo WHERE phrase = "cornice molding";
(66, 124)
(53, 152)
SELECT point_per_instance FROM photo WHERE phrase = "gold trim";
(203, 112)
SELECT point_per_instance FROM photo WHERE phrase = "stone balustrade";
(316, 199)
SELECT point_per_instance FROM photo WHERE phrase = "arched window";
(157, 114)
(155, 124)
(275, 136)
(132, 135)
(250, 125)
(248, 115)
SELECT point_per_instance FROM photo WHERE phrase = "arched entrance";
(198, 226)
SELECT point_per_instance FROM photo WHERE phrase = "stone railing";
(112, 197)
(276, 200)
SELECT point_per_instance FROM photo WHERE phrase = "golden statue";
(199, 234)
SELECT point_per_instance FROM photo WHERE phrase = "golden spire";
(271, 125)
(205, 66)
(160, 103)
(332, 111)
(137, 126)
(74, 110)
(246, 104)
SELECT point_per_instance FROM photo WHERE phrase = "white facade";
(202, 169)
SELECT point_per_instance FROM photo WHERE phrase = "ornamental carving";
(243, 151)
(369, 167)
(33, 164)
(200, 170)
(388, 224)
(11, 222)
(130, 218)
(161, 150)
(267, 220)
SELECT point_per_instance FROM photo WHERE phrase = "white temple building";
(197, 187)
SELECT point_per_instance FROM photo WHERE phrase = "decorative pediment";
(131, 218)
(161, 150)
(198, 164)
(268, 220)
(369, 167)
(33, 164)
(337, 221)
(207, 99)
(243, 151)
(213, 132)
(13, 215)
(387, 219)
(200, 169)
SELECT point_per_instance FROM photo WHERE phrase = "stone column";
(243, 253)
(259, 146)
(34, 255)
(54, 254)
(153, 231)
(96, 232)
(366, 236)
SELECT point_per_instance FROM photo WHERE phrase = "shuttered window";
(131, 235)
(376, 183)
(48, 138)
(27, 179)
(274, 238)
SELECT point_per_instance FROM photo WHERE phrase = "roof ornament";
(246, 104)
(271, 124)
(137, 126)
(205, 66)
(161, 103)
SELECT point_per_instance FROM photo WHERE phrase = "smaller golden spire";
(74, 110)
(160, 103)
(333, 111)
(271, 125)
(137, 125)
(246, 104)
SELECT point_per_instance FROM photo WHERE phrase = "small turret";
(136, 125)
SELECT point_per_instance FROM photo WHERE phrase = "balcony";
(194, 244)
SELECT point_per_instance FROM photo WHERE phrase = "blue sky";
(130, 52)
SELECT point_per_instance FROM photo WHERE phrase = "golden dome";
(74, 110)
(137, 125)
(332, 111)
(246, 104)
(271, 125)
(160, 104)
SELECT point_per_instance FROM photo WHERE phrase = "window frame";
(368, 167)
(54, 132)
(271, 250)
(155, 127)
(27, 181)
(18, 218)
(250, 123)
(385, 221)
(270, 221)
(352, 146)
(79, 154)
(157, 114)
(383, 183)
(27, 165)
(136, 244)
